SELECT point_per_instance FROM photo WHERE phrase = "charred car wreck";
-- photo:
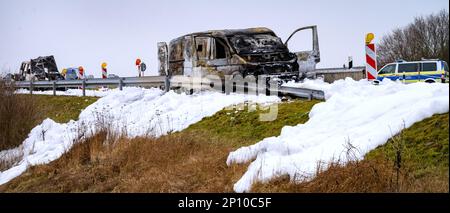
(254, 51)
(41, 68)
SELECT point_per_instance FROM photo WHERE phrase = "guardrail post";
(167, 84)
(31, 86)
(84, 87)
(120, 84)
(54, 88)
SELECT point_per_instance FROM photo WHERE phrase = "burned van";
(41, 68)
(254, 51)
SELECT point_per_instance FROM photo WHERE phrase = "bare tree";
(426, 37)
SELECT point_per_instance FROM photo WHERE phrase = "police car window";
(409, 67)
(429, 66)
(445, 66)
(388, 69)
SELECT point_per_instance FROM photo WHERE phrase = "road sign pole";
(120, 84)
(54, 88)
(84, 87)
(138, 65)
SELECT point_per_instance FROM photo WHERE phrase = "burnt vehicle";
(253, 51)
(41, 68)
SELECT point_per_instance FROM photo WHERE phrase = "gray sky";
(88, 32)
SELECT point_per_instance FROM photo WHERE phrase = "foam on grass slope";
(355, 112)
(133, 112)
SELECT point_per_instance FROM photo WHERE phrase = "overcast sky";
(88, 32)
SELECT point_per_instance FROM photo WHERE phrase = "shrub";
(18, 116)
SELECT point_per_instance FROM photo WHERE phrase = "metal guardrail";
(303, 93)
(169, 83)
(249, 88)
(152, 81)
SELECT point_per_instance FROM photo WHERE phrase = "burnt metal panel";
(163, 59)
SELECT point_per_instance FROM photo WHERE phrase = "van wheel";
(430, 81)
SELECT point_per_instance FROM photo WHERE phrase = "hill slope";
(194, 160)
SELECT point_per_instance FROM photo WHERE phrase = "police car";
(429, 71)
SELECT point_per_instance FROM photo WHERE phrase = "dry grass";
(174, 163)
(8, 159)
(374, 175)
(364, 176)
(17, 117)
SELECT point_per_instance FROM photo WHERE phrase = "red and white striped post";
(104, 71)
(138, 65)
(80, 75)
(80, 72)
(371, 58)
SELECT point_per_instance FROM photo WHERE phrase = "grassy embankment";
(194, 160)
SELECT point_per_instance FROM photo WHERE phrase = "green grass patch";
(243, 127)
(424, 146)
(61, 108)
